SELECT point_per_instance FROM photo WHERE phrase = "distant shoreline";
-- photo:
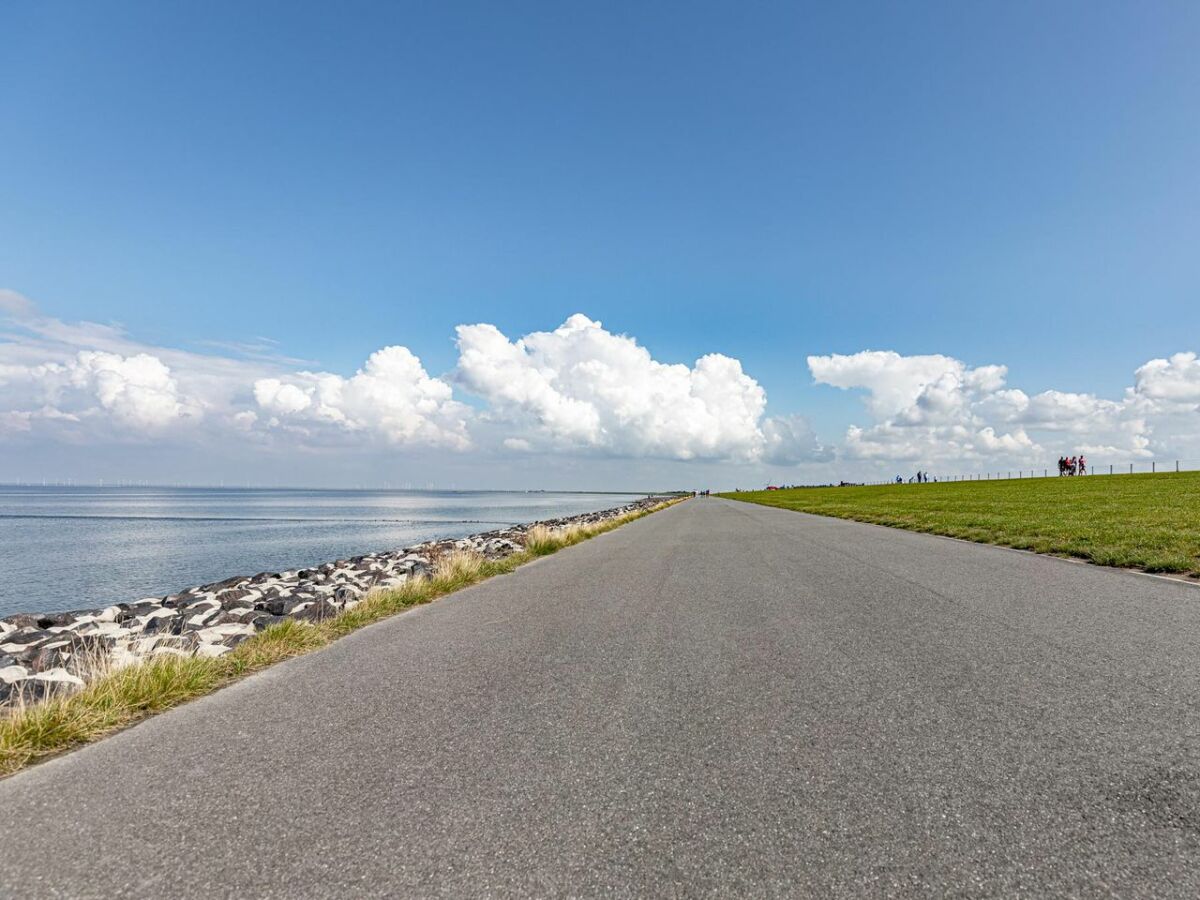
(89, 546)
(91, 485)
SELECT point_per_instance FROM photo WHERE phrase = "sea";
(65, 548)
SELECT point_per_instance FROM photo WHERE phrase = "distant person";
(1082, 465)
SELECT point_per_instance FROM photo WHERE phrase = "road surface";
(720, 699)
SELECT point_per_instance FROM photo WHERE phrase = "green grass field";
(1149, 522)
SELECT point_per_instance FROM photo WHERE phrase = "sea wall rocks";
(53, 652)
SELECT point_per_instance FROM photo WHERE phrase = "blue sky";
(1013, 185)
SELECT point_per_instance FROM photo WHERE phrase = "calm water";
(73, 548)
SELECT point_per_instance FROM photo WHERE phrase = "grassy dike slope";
(1149, 522)
(125, 696)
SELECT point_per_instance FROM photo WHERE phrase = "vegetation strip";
(1147, 522)
(125, 696)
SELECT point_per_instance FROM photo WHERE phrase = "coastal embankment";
(42, 655)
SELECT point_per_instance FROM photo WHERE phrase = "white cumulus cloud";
(583, 387)
(789, 440)
(391, 396)
(937, 408)
(137, 393)
(1173, 380)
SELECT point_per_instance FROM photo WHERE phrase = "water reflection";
(70, 548)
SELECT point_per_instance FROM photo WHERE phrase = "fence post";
(1153, 467)
(1131, 468)
(1176, 465)
(1045, 473)
(1110, 468)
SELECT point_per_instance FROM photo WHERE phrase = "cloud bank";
(577, 391)
(938, 409)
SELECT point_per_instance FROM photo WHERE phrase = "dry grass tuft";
(539, 540)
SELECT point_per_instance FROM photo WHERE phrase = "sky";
(595, 246)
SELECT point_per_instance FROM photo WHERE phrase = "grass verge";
(122, 697)
(1147, 522)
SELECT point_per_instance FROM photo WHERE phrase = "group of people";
(919, 478)
(1072, 465)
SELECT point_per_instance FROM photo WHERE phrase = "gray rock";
(263, 622)
(316, 612)
(227, 583)
(48, 658)
(346, 593)
(281, 606)
(26, 636)
(160, 624)
(234, 596)
(232, 615)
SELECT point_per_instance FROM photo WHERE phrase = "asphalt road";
(720, 699)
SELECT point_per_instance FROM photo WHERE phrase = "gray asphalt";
(720, 699)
